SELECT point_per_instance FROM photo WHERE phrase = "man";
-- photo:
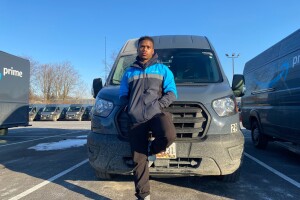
(146, 88)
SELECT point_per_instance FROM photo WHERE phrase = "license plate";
(170, 153)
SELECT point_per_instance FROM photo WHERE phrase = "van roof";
(281, 48)
(171, 41)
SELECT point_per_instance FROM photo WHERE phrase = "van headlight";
(103, 108)
(224, 106)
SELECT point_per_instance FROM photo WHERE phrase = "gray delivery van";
(53, 112)
(271, 105)
(209, 140)
(35, 111)
(77, 112)
(14, 91)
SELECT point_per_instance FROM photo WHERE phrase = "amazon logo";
(296, 60)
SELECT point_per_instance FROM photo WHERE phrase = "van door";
(288, 95)
(262, 99)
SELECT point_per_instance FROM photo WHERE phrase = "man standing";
(146, 88)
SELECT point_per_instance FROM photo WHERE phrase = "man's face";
(145, 50)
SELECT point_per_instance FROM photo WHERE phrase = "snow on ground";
(63, 144)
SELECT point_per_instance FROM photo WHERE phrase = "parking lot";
(49, 161)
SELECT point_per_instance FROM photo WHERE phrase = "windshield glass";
(74, 109)
(187, 65)
(49, 109)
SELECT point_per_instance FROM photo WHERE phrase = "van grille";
(190, 120)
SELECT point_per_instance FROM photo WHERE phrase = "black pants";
(164, 132)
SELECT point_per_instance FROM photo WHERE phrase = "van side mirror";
(238, 85)
(97, 86)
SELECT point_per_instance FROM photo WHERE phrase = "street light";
(233, 56)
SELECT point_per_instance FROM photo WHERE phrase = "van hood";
(203, 93)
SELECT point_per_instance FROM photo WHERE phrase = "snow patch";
(64, 144)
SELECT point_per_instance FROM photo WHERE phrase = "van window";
(122, 65)
(74, 108)
(49, 109)
(188, 65)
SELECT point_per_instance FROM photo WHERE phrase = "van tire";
(103, 175)
(259, 140)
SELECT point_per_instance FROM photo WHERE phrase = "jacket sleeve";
(124, 89)
(169, 89)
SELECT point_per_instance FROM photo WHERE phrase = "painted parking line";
(288, 179)
(23, 194)
(40, 138)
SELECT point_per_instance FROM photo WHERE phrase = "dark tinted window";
(74, 108)
(49, 109)
(187, 65)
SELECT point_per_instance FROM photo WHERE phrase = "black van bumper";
(215, 155)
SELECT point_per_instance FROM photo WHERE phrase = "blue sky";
(54, 31)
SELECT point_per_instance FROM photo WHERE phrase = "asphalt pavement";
(49, 161)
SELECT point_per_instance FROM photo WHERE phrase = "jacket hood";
(139, 64)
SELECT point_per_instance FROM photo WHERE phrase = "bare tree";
(58, 81)
(32, 86)
(44, 78)
(70, 79)
(55, 82)
(82, 91)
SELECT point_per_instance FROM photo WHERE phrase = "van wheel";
(103, 175)
(259, 140)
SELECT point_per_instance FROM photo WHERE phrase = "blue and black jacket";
(148, 88)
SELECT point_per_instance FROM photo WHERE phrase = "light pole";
(233, 56)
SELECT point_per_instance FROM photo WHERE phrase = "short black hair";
(146, 38)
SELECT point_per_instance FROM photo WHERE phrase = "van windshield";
(49, 109)
(187, 65)
(74, 109)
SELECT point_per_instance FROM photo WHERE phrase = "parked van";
(89, 112)
(209, 140)
(63, 113)
(77, 112)
(35, 111)
(271, 105)
(14, 91)
(53, 112)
